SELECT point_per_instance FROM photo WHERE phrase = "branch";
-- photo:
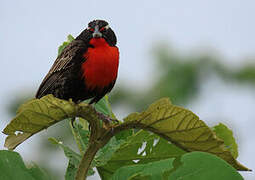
(96, 140)
(86, 161)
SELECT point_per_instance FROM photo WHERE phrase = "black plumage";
(65, 80)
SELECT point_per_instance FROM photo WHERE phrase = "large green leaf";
(183, 128)
(12, 167)
(139, 148)
(36, 115)
(200, 166)
(192, 166)
(226, 135)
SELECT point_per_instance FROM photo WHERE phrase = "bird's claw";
(106, 119)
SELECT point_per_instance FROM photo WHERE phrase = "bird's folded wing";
(65, 60)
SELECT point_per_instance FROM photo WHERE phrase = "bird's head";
(96, 30)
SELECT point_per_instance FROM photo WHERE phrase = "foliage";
(12, 168)
(191, 166)
(226, 135)
(177, 132)
(47, 111)
(61, 47)
(139, 148)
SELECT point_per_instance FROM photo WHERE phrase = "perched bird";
(87, 67)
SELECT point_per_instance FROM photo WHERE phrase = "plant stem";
(94, 144)
(86, 161)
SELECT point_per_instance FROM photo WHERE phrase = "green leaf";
(101, 158)
(70, 171)
(226, 135)
(105, 153)
(154, 170)
(183, 128)
(38, 173)
(12, 167)
(12, 141)
(81, 134)
(74, 160)
(69, 153)
(104, 107)
(36, 115)
(70, 38)
(200, 165)
(192, 166)
(143, 147)
(123, 135)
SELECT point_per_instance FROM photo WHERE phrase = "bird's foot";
(106, 119)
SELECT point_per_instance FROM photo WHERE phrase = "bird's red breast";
(101, 65)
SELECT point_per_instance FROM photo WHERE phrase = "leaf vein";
(182, 120)
(182, 130)
(41, 114)
(57, 106)
(203, 133)
(164, 118)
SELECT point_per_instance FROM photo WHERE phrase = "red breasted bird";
(86, 68)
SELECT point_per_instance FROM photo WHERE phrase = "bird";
(87, 68)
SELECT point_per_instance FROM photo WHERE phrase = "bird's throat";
(97, 42)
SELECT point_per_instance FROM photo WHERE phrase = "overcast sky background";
(32, 30)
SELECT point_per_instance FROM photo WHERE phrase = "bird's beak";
(97, 33)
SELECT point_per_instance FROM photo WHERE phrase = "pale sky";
(32, 30)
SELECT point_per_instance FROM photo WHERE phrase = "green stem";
(99, 136)
(86, 161)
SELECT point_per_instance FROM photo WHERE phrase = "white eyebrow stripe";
(107, 26)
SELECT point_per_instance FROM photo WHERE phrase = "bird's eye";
(91, 29)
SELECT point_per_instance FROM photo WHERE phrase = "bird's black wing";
(71, 53)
